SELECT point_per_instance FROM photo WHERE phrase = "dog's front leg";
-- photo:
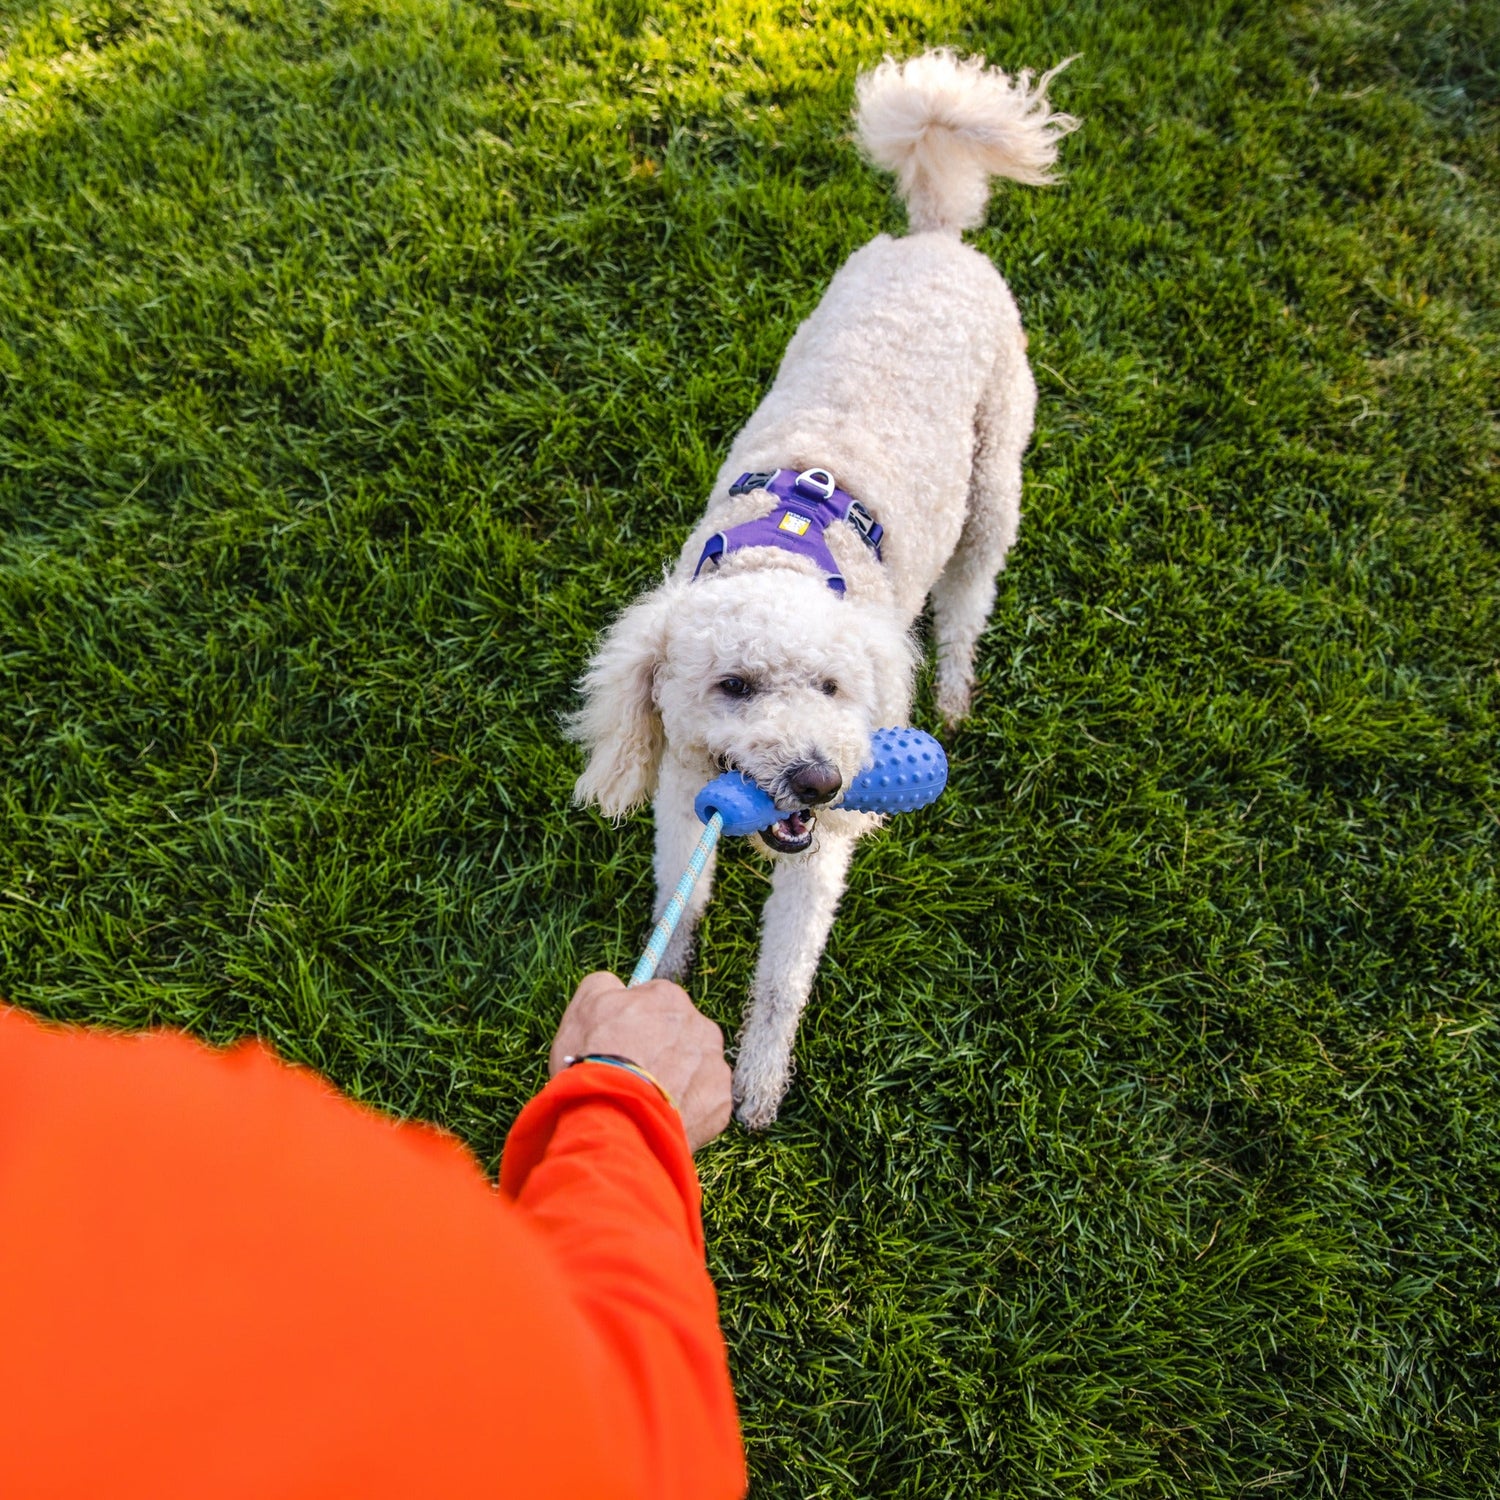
(677, 833)
(804, 896)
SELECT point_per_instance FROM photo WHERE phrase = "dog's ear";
(619, 724)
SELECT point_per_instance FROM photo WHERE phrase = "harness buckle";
(816, 484)
(747, 482)
(870, 530)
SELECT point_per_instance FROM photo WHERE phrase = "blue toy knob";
(744, 808)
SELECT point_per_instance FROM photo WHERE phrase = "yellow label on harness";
(791, 521)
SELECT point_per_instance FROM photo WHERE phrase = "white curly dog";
(783, 636)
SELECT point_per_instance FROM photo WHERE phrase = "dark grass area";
(357, 360)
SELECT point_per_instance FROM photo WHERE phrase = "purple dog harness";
(807, 505)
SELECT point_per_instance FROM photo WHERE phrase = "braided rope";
(670, 917)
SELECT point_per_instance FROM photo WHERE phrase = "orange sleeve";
(629, 1240)
(217, 1277)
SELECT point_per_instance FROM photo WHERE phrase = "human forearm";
(600, 1165)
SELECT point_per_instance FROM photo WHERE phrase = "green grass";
(358, 359)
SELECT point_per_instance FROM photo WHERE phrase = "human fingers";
(657, 1027)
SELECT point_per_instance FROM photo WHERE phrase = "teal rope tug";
(667, 924)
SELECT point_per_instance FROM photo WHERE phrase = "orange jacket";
(219, 1278)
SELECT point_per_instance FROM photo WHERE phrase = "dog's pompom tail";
(946, 125)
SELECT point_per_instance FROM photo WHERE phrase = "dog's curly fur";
(909, 383)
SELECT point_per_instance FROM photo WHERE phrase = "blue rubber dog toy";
(908, 770)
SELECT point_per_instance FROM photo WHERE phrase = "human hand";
(659, 1029)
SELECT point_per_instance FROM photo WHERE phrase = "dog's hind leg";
(677, 833)
(795, 925)
(963, 596)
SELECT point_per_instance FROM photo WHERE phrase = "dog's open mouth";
(792, 834)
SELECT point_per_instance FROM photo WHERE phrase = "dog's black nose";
(815, 782)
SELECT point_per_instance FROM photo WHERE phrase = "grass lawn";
(358, 359)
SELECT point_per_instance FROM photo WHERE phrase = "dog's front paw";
(758, 1092)
(953, 701)
(756, 1114)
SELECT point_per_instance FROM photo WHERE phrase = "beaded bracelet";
(610, 1059)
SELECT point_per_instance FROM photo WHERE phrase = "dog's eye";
(735, 687)
(830, 688)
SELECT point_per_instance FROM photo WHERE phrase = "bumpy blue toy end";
(907, 770)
